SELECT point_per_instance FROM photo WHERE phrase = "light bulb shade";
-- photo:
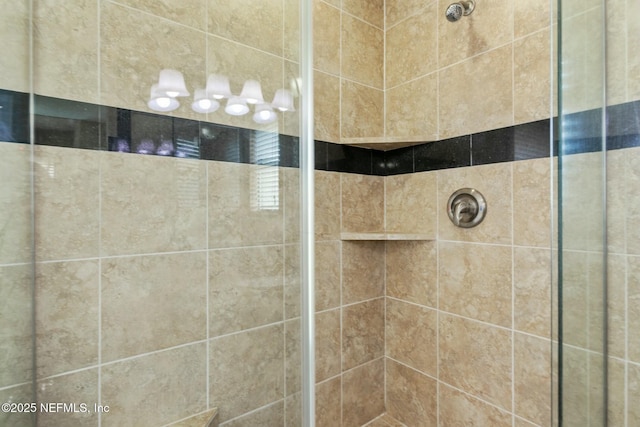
(171, 83)
(264, 114)
(252, 92)
(236, 106)
(283, 100)
(146, 146)
(202, 103)
(161, 102)
(218, 86)
(165, 148)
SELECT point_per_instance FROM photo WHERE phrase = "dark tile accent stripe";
(75, 124)
(14, 117)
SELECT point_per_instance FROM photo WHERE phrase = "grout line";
(437, 248)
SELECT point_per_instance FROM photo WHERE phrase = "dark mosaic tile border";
(75, 124)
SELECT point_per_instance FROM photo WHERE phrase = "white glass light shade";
(283, 100)
(218, 86)
(171, 83)
(203, 104)
(161, 102)
(264, 114)
(236, 106)
(252, 92)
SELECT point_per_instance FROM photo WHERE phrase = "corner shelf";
(384, 236)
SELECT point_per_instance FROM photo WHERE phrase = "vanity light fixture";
(202, 103)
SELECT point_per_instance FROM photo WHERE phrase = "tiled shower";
(163, 288)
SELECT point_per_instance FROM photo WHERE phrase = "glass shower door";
(16, 219)
(599, 136)
(161, 188)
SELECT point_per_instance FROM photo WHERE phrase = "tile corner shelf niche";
(384, 236)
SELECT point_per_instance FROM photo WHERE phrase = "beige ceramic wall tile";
(411, 110)
(370, 11)
(633, 304)
(326, 38)
(240, 63)
(15, 204)
(292, 357)
(532, 290)
(616, 389)
(16, 304)
(130, 61)
(616, 41)
(291, 30)
(363, 394)
(410, 203)
(328, 344)
(494, 182)
(66, 62)
(531, 202)
(293, 408)
(457, 408)
(328, 403)
(582, 58)
(409, 49)
(489, 26)
(243, 379)
(362, 52)
(616, 309)
(233, 218)
(529, 17)
(67, 183)
(191, 13)
(292, 284)
(327, 205)
(633, 64)
(532, 379)
(327, 284)
(15, 35)
(272, 415)
(532, 79)
(633, 393)
(362, 271)
(79, 387)
(21, 393)
(152, 302)
(617, 176)
(582, 192)
(144, 390)
(290, 195)
(411, 336)
(361, 111)
(362, 203)
(411, 397)
(245, 288)
(259, 25)
(326, 104)
(411, 272)
(197, 420)
(151, 204)
(397, 10)
(633, 201)
(67, 316)
(484, 102)
(575, 386)
(475, 281)
(292, 119)
(476, 358)
(362, 333)
(575, 298)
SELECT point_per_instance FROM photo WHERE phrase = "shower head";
(456, 11)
